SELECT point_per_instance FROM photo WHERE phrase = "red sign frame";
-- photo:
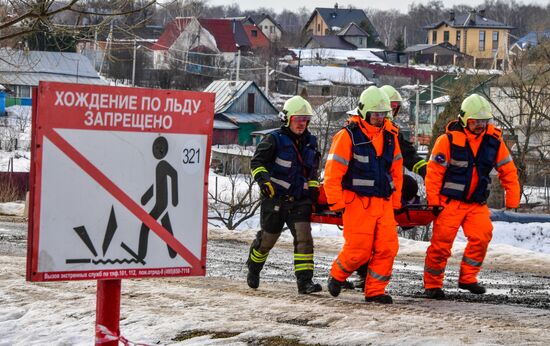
(106, 108)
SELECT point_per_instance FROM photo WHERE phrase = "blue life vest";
(291, 171)
(368, 174)
(458, 176)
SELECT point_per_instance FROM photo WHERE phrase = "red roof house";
(258, 40)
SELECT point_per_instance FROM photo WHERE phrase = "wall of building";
(469, 40)
(317, 26)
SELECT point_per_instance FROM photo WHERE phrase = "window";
(251, 103)
(254, 33)
(360, 41)
(482, 40)
(458, 34)
(434, 37)
(318, 27)
(445, 36)
(495, 40)
(271, 29)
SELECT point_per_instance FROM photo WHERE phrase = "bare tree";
(234, 203)
(20, 18)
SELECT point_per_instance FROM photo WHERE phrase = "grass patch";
(196, 333)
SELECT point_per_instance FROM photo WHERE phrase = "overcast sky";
(401, 5)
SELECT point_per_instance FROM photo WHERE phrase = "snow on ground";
(12, 208)
(21, 161)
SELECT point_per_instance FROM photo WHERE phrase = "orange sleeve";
(338, 159)
(508, 176)
(397, 174)
(437, 166)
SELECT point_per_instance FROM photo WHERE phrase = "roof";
(331, 41)
(228, 91)
(470, 20)
(532, 39)
(259, 18)
(171, 33)
(243, 118)
(341, 17)
(353, 29)
(224, 125)
(229, 33)
(339, 104)
(425, 46)
(28, 68)
(365, 54)
(333, 74)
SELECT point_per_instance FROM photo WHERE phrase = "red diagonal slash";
(121, 196)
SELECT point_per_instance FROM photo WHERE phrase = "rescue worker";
(458, 179)
(363, 178)
(414, 163)
(285, 167)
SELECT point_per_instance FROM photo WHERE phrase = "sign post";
(119, 187)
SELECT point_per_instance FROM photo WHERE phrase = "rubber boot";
(334, 286)
(255, 264)
(305, 282)
(380, 299)
(475, 288)
(362, 276)
(434, 293)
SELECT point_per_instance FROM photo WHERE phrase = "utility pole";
(298, 79)
(431, 103)
(238, 65)
(266, 78)
(134, 65)
(416, 114)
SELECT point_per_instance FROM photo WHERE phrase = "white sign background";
(71, 198)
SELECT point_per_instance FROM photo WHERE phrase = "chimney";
(336, 5)
(482, 13)
(472, 17)
(452, 16)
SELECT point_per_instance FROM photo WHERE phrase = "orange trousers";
(478, 229)
(370, 235)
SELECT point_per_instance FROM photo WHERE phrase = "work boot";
(305, 282)
(475, 288)
(308, 287)
(434, 293)
(253, 279)
(380, 299)
(334, 286)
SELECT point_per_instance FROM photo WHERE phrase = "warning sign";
(118, 183)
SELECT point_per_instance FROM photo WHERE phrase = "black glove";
(314, 194)
(422, 171)
(267, 190)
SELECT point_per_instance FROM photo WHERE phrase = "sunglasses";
(379, 114)
(300, 118)
(479, 122)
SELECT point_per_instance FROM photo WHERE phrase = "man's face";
(477, 126)
(377, 118)
(298, 123)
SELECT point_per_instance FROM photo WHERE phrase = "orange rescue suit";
(369, 226)
(473, 217)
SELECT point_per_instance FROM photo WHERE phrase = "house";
(240, 109)
(351, 37)
(472, 33)
(258, 40)
(21, 70)
(181, 38)
(442, 53)
(530, 40)
(328, 21)
(188, 34)
(269, 26)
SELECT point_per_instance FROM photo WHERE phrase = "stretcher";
(410, 215)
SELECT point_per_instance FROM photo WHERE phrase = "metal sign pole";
(107, 314)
